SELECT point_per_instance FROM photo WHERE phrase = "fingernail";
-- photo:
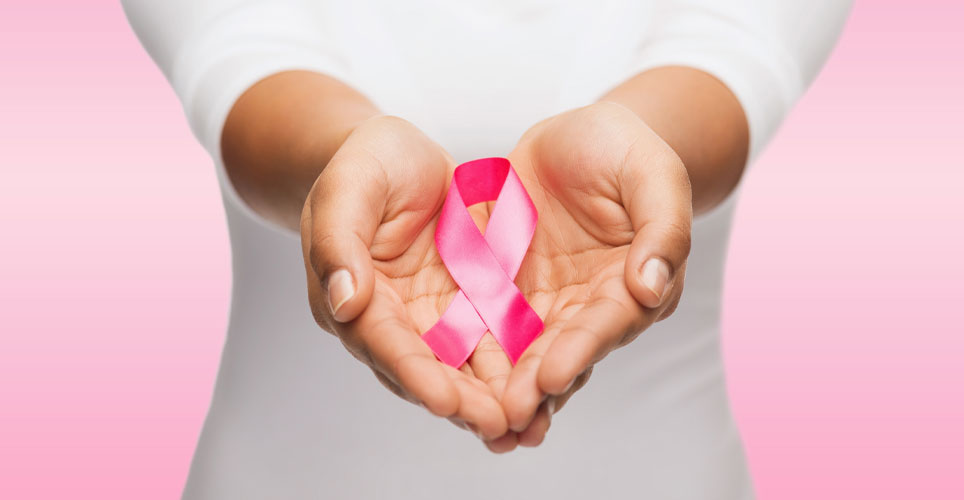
(656, 276)
(341, 288)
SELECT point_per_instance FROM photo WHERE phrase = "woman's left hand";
(607, 260)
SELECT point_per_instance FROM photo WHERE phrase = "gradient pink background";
(844, 331)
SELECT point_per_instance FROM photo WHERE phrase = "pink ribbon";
(484, 267)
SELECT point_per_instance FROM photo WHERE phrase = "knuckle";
(322, 246)
(672, 171)
(396, 365)
(678, 234)
(316, 258)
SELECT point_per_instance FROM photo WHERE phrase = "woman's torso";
(295, 416)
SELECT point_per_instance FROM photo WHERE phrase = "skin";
(616, 184)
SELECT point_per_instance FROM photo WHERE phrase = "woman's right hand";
(375, 279)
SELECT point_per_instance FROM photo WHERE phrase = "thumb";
(343, 212)
(659, 204)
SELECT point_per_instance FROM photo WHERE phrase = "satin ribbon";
(484, 267)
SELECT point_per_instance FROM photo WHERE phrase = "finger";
(658, 198)
(383, 340)
(345, 209)
(316, 293)
(535, 433)
(461, 424)
(490, 364)
(561, 400)
(611, 318)
(522, 395)
(671, 302)
(503, 444)
(471, 377)
(479, 408)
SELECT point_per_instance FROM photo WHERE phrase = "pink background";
(843, 330)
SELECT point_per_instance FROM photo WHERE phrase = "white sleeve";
(211, 51)
(766, 51)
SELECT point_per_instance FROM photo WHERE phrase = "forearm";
(700, 119)
(281, 133)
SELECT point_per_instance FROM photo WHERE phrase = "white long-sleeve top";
(294, 415)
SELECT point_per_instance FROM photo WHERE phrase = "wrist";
(281, 133)
(700, 119)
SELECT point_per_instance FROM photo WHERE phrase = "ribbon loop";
(485, 267)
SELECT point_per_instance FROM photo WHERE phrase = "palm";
(597, 177)
(372, 212)
(577, 256)
(415, 281)
(580, 245)
(578, 253)
(409, 272)
(413, 286)
(574, 274)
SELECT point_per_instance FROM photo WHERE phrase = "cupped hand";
(607, 260)
(375, 279)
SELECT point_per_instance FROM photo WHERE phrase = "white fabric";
(294, 415)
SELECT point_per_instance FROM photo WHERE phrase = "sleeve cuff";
(764, 79)
(222, 61)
